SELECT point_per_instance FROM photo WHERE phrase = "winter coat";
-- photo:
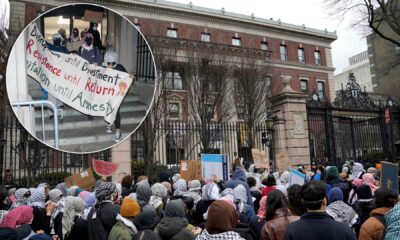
(239, 177)
(92, 56)
(363, 210)
(245, 231)
(392, 219)
(123, 229)
(80, 230)
(267, 190)
(40, 220)
(220, 236)
(318, 226)
(257, 195)
(275, 228)
(8, 234)
(174, 228)
(372, 228)
(201, 208)
(101, 225)
(256, 223)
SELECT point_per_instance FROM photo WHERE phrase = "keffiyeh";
(21, 198)
(55, 195)
(104, 190)
(159, 190)
(74, 206)
(210, 192)
(37, 198)
(181, 187)
(240, 197)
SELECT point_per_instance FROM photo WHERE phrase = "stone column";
(121, 154)
(291, 144)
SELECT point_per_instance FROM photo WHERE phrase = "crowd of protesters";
(250, 205)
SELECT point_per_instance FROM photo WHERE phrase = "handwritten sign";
(90, 89)
(191, 170)
(84, 180)
(104, 168)
(260, 158)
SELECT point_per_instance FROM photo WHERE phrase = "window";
(236, 42)
(264, 46)
(300, 54)
(283, 53)
(210, 110)
(240, 112)
(172, 33)
(173, 110)
(321, 90)
(317, 56)
(304, 85)
(205, 37)
(209, 87)
(173, 81)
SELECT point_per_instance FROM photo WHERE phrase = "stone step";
(81, 121)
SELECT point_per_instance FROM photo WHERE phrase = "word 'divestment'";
(90, 89)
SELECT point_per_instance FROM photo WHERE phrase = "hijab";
(358, 169)
(38, 197)
(263, 208)
(89, 198)
(20, 198)
(55, 195)
(18, 216)
(159, 190)
(210, 192)
(240, 197)
(369, 180)
(143, 193)
(335, 194)
(222, 217)
(175, 208)
(62, 188)
(181, 187)
(74, 206)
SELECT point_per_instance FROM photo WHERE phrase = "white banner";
(90, 89)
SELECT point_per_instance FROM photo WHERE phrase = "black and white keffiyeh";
(220, 236)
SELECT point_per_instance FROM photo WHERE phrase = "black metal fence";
(353, 127)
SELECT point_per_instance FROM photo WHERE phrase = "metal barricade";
(41, 103)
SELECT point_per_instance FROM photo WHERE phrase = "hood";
(127, 223)
(170, 226)
(239, 174)
(379, 211)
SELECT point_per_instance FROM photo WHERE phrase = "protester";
(194, 192)
(257, 221)
(242, 207)
(278, 216)
(353, 192)
(239, 177)
(357, 170)
(125, 227)
(126, 184)
(174, 225)
(75, 35)
(74, 227)
(269, 183)
(338, 209)
(221, 222)
(88, 52)
(21, 198)
(283, 182)
(90, 201)
(5, 202)
(255, 192)
(373, 228)
(93, 30)
(102, 217)
(392, 219)
(42, 214)
(180, 188)
(333, 180)
(316, 224)
(296, 206)
(369, 180)
(363, 206)
(159, 193)
(210, 193)
(111, 61)
(143, 193)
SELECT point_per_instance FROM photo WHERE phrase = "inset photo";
(81, 78)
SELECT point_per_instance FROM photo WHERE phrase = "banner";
(389, 176)
(260, 158)
(92, 90)
(296, 177)
(104, 168)
(215, 164)
(84, 180)
(191, 170)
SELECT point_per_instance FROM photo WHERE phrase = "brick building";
(303, 54)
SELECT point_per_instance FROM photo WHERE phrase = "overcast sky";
(312, 13)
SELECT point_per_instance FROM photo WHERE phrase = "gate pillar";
(290, 135)
(121, 154)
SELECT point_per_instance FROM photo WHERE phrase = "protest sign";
(296, 177)
(104, 168)
(84, 180)
(282, 160)
(90, 89)
(260, 158)
(389, 176)
(215, 164)
(190, 170)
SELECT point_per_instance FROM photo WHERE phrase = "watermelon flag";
(104, 168)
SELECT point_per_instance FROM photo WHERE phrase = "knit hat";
(110, 56)
(332, 172)
(129, 208)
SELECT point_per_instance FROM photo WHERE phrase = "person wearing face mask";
(74, 41)
(75, 35)
(110, 61)
(56, 47)
(93, 29)
(88, 52)
(5, 202)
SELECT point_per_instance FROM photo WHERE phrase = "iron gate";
(353, 127)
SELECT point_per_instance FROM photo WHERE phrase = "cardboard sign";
(282, 160)
(215, 165)
(296, 177)
(260, 158)
(93, 16)
(84, 180)
(191, 170)
(90, 89)
(74, 46)
(389, 176)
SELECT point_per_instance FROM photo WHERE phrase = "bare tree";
(252, 90)
(376, 15)
(206, 78)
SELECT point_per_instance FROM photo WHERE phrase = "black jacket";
(318, 226)
(40, 220)
(80, 230)
(100, 227)
(174, 228)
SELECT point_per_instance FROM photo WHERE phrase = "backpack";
(381, 219)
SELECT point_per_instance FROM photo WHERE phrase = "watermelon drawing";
(104, 168)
